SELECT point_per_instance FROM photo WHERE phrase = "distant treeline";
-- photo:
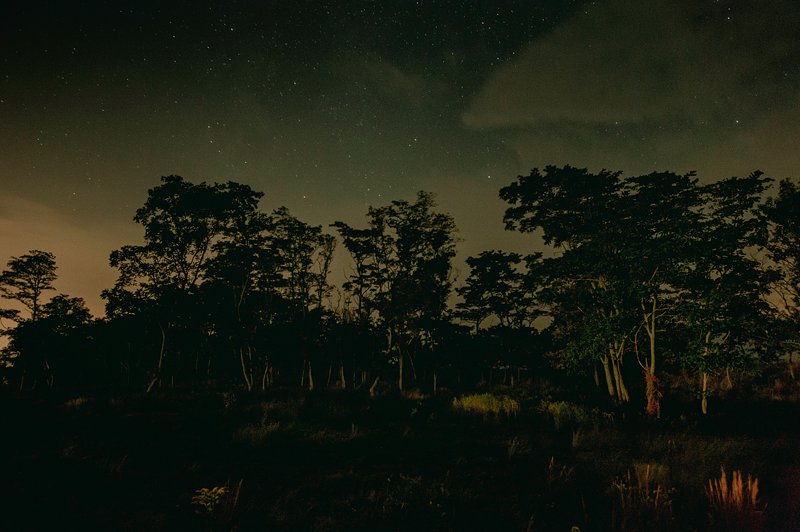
(640, 278)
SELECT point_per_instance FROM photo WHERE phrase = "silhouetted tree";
(182, 222)
(588, 285)
(665, 223)
(782, 214)
(26, 278)
(495, 288)
(53, 343)
(724, 307)
(403, 265)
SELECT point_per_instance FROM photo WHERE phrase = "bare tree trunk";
(609, 379)
(653, 393)
(50, 380)
(435, 384)
(704, 376)
(264, 377)
(704, 396)
(616, 350)
(157, 375)
(310, 378)
(248, 384)
(622, 390)
(728, 381)
(342, 380)
(400, 370)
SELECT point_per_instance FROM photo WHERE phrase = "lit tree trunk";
(652, 391)
(616, 351)
(609, 379)
(728, 381)
(704, 396)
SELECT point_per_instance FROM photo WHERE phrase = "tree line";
(637, 279)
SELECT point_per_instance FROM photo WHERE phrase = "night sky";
(330, 107)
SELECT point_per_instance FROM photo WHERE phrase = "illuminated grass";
(486, 404)
(735, 505)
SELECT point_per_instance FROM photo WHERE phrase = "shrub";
(218, 505)
(207, 499)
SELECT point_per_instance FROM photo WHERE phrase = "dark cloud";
(628, 83)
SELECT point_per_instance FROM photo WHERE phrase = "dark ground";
(346, 461)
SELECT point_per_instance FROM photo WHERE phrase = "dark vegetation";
(600, 383)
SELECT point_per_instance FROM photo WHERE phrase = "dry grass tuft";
(76, 402)
(642, 503)
(735, 505)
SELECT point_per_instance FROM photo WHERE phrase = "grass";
(487, 404)
(642, 502)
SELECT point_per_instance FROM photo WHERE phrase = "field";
(342, 460)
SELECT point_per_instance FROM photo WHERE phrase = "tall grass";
(735, 506)
(641, 503)
(487, 404)
(566, 414)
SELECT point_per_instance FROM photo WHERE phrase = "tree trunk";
(310, 378)
(622, 390)
(704, 396)
(342, 380)
(728, 381)
(157, 375)
(704, 376)
(50, 380)
(616, 350)
(653, 393)
(248, 384)
(609, 379)
(264, 377)
(400, 370)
